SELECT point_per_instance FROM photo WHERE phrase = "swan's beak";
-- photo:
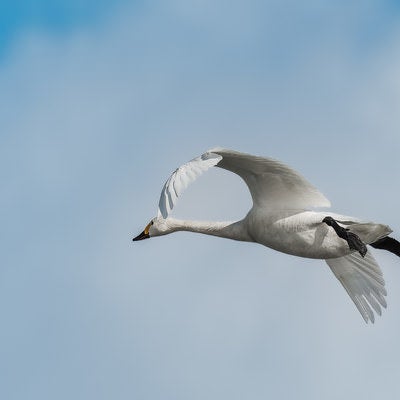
(142, 236)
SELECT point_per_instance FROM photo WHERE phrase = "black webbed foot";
(389, 244)
(354, 242)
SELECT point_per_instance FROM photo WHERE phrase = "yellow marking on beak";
(146, 230)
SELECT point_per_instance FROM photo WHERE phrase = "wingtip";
(182, 177)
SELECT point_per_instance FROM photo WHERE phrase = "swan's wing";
(181, 178)
(271, 183)
(362, 278)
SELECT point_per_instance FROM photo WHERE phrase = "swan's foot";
(354, 242)
(389, 244)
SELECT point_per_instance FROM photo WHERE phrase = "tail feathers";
(389, 244)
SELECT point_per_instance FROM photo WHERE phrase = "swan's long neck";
(230, 230)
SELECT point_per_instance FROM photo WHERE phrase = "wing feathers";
(181, 178)
(272, 184)
(362, 278)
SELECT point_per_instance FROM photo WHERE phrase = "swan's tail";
(376, 235)
(368, 232)
(389, 244)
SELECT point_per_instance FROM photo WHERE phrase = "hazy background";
(98, 104)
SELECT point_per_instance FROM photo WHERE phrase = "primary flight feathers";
(181, 178)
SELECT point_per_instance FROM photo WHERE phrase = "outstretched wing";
(181, 178)
(363, 280)
(272, 184)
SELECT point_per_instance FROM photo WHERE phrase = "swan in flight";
(281, 218)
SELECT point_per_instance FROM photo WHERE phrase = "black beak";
(142, 236)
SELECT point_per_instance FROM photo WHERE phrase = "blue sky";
(99, 103)
(55, 17)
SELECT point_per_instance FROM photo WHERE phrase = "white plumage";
(181, 178)
(282, 220)
(362, 278)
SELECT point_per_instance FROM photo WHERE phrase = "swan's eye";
(152, 223)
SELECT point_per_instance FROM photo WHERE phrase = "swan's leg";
(354, 242)
(388, 243)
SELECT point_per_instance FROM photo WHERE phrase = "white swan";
(280, 219)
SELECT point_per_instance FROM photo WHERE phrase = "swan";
(282, 219)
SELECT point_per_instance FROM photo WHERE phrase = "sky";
(99, 103)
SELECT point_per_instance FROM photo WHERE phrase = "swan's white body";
(282, 220)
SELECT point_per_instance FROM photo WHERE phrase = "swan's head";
(156, 227)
